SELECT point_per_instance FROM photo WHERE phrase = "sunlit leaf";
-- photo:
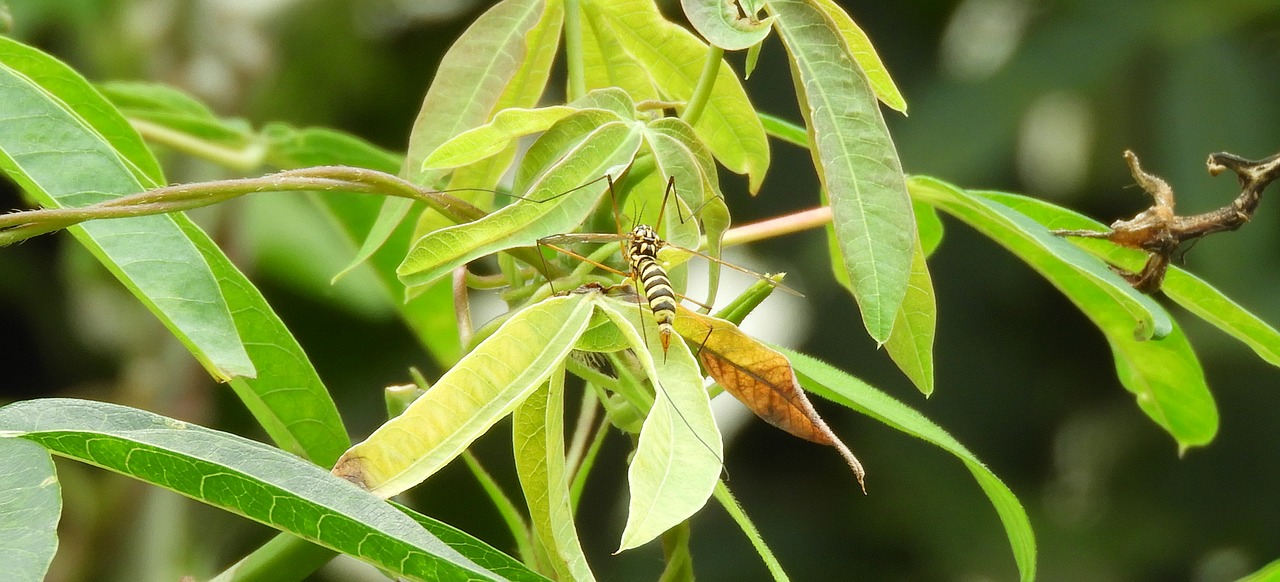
(167, 261)
(759, 377)
(724, 26)
(475, 549)
(605, 150)
(66, 146)
(474, 75)
(856, 161)
(678, 456)
(862, 51)
(606, 64)
(241, 476)
(1062, 263)
(833, 384)
(1189, 291)
(30, 505)
(480, 390)
(1165, 375)
(929, 225)
(911, 343)
(487, 69)
(674, 58)
(1268, 573)
(538, 432)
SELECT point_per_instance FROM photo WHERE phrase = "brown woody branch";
(1159, 231)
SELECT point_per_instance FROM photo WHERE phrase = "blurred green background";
(1035, 97)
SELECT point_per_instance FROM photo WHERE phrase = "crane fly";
(640, 247)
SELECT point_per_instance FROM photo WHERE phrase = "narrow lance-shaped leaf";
(66, 146)
(167, 261)
(245, 477)
(856, 162)
(678, 456)
(604, 151)
(538, 433)
(473, 395)
(1165, 375)
(30, 504)
(760, 378)
(911, 343)
(1189, 291)
(674, 58)
(833, 384)
(860, 47)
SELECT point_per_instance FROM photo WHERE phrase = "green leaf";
(538, 432)
(1165, 375)
(290, 147)
(604, 151)
(911, 343)
(473, 395)
(723, 26)
(65, 156)
(1189, 291)
(828, 382)
(170, 257)
(856, 161)
(476, 550)
(929, 226)
(170, 108)
(508, 125)
(860, 47)
(1268, 573)
(1070, 269)
(678, 457)
(673, 58)
(30, 505)
(474, 76)
(244, 477)
(491, 138)
(429, 315)
(606, 63)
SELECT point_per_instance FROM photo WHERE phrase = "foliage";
(648, 103)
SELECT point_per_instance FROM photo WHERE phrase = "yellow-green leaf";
(483, 387)
(860, 47)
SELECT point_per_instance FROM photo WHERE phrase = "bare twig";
(1159, 231)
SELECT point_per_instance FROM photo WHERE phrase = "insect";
(640, 247)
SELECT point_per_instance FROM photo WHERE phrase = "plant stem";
(785, 130)
(510, 515)
(282, 559)
(244, 159)
(774, 227)
(702, 91)
(573, 50)
(730, 505)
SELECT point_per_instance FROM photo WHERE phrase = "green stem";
(573, 50)
(515, 522)
(702, 91)
(244, 159)
(584, 469)
(284, 558)
(785, 130)
(730, 505)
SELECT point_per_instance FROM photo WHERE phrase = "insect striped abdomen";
(642, 253)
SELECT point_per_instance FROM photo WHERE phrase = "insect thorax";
(643, 242)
